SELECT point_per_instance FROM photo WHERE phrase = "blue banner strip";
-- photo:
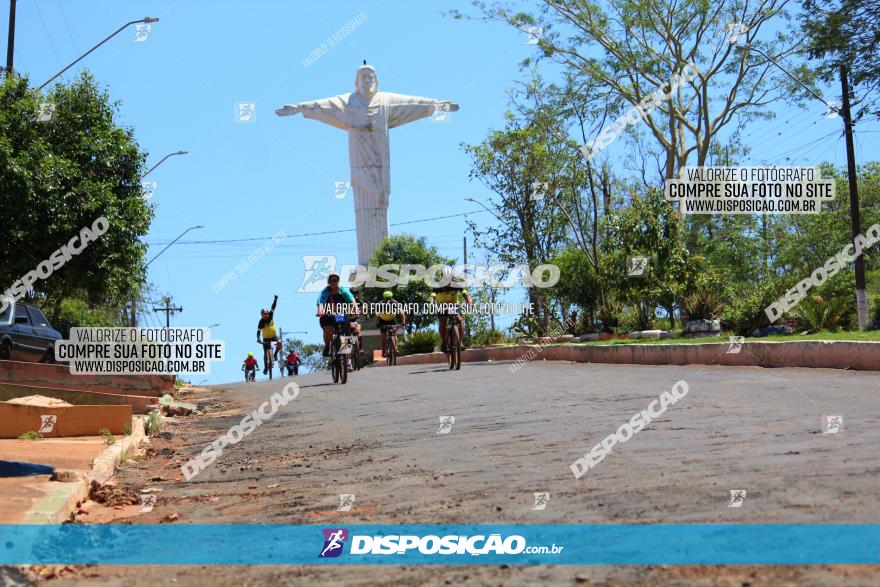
(527, 544)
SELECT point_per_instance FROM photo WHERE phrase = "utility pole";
(168, 309)
(854, 214)
(467, 326)
(10, 45)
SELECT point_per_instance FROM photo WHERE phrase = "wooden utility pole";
(168, 309)
(854, 214)
(10, 44)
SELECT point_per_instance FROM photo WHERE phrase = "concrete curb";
(817, 354)
(56, 506)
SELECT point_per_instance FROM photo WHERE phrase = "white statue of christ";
(367, 115)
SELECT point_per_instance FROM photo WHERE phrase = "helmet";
(264, 311)
(388, 295)
(447, 275)
(250, 354)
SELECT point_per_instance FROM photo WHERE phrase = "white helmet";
(448, 274)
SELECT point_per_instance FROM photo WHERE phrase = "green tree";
(59, 176)
(622, 51)
(309, 354)
(845, 35)
(529, 170)
(406, 249)
(648, 228)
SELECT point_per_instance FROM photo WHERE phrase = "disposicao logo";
(334, 541)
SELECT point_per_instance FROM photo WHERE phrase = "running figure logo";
(736, 343)
(446, 423)
(47, 423)
(318, 267)
(346, 500)
(340, 189)
(636, 266)
(832, 423)
(148, 500)
(541, 501)
(737, 497)
(334, 540)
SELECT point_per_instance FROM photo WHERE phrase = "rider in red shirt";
(293, 363)
(250, 364)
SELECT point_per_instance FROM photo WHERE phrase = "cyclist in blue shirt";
(331, 297)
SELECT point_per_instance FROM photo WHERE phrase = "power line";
(46, 30)
(264, 238)
(69, 31)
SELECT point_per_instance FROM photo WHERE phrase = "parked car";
(26, 335)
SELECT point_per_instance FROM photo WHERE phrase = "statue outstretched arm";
(330, 111)
(404, 109)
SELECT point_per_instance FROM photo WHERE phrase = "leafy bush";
(420, 341)
(703, 301)
(743, 311)
(488, 337)
(76, 312)
(820, 313)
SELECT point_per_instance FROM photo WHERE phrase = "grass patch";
(126, 430)
(153, 424)
(31, 436)
(855, 336)
(108, 436)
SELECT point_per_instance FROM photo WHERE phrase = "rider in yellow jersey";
(449, 294)
(389, 318)
(266, 328)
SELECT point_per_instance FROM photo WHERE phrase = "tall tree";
(58, 175)
(632, 49)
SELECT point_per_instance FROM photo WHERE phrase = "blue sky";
(251, 180)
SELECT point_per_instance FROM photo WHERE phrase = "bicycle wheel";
(343, 369)
(356, 355)
(392, 354)
(334, 368)
(454, 349)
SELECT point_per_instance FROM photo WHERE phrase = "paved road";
(515, 434)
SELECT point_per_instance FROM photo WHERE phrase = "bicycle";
(390, 344)
(357, 361)
(453, 342)
(340, 349)
(249, 374)
(268, 359)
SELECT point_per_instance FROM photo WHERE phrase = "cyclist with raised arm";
(449, 294)
(334, 300)
(388, 318)
(266, 328)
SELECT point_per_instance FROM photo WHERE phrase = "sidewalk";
(36, 499)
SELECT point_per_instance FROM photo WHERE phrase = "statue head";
(366, 82)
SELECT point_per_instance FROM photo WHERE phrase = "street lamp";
(162, 160)
(172, 242)
(146, 20)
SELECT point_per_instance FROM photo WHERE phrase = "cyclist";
(293, 362)
(250, 366)
(330, 298)
(353, 318)
(266, 328)
(389, 318)
(279, 346)
(449, 294)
